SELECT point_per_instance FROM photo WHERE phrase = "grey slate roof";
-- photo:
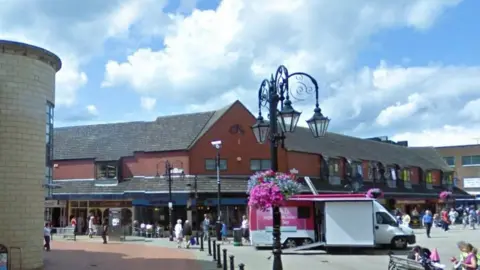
(180, 132)
(205, 184)
(107, 142)
(337, 145)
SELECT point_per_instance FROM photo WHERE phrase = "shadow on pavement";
(95, 260)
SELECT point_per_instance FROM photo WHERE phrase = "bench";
(399, 263)
(66, 232)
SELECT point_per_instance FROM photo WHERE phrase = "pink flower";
(264, 196)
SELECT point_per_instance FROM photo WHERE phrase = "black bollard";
(225, 264)
(201, 243)
(219, 257)
(241, 266)
(232, 262)
(214, 246)
(209, 247)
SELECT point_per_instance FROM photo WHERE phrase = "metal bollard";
(219, 257)
(201, 243)
(232, 262)
(241, 266)
(214, 250)
(225, 263)
(209, 246)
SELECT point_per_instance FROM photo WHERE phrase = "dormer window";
(106, 170)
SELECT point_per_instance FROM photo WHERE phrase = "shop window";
(471, 161)
(106, 170)
(334, 172)
(260, 164)
(210, 164)
(450, 161)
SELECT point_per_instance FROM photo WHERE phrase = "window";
(48, 149)
(334, 167)
(450, 161)
(406, 175)
(385, 219)
(429, 180)
(106, 170)
(210, 165)
(260, 164)
(471, 161)
(303, 212)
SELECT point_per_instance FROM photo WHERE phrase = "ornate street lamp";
(272, 93)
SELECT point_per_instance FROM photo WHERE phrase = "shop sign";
(471, 182)
(411, 201)
(55, 203)
(109, 204)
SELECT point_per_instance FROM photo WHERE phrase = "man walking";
(46, 236)
(427, 222)
(205, 227)
(105, 231)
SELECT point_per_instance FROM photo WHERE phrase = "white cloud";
(399, 112)
(471, 110)
(92, 110)
(148, 103)
(75, 33)
(444, 136)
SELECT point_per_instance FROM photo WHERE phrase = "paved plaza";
(91, 254)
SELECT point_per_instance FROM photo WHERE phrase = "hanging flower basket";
(445, 195)
(268, 189)
(374, 193)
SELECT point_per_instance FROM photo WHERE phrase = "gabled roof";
(337, 145)
(107, 142)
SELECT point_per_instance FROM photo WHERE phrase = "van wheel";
(290, 243)
(306, 241)
(399, 242)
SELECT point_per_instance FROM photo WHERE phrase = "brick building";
(122, 165)
(465, 162)
(27, 94)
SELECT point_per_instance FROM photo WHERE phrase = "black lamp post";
(168, 172)
(195, 195)
(272, 93)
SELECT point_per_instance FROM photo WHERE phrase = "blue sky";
(408, 69)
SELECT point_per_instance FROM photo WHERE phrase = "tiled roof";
(180, 132)
(337, 145)
(113, 141)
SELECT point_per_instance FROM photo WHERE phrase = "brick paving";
(96, 256)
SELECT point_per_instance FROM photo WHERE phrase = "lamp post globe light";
(275, 94)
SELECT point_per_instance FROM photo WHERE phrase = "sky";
(406, 69)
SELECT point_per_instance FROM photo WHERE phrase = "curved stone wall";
(27, 83)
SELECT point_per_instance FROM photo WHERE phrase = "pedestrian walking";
(205, 227)
(187, 232)
(105, 231)
(428, 222)
(91, 227)
(47, 236)
(178, 230)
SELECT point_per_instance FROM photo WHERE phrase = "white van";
(336, 220)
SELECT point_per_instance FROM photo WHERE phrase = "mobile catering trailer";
(331, 220)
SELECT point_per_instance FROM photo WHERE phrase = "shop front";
(56, 212)
(82, 210)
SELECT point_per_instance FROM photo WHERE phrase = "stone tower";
(27, 95)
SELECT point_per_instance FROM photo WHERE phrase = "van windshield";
(385, 219)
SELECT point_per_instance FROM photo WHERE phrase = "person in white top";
(178, 230)
(149, 229)
(46, 236)
(91, 226)
(245, 230)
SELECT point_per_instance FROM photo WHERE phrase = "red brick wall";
(73, 169)
(436, 178)
(306, 164)
(414, 175)
(145, 164)
(238, 148)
